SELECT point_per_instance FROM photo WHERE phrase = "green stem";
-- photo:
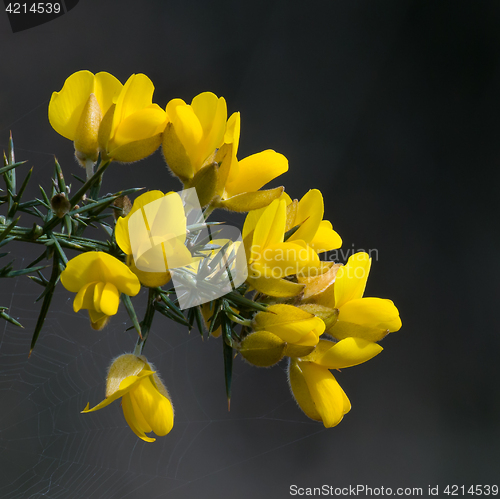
(147, 322)
(89, 168)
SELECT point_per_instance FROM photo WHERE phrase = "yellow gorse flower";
(314, 387)
(270, 258)
(290, 323)
(343, 288)
(145, 400)
(156, 241)
(239, 181)
(98, 279)
(76, 111)
(193, 133)
(132, 127)
(307, 214)
(281, 330)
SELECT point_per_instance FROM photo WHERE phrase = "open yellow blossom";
(343, 288)
(152, 235)
(98, 279)
(290, 323)
(315, 388)
(76, 111)
(193, 133)
(132, 127)
(270, 259)
(281, 330)
(308, 215)
(145, 400)
(239, 181)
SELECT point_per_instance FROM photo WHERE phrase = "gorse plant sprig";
(264, 291)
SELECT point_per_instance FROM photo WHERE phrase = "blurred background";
(391, 109)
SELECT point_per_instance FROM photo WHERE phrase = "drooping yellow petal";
(350, 281)
(125, 386)
(85, 296)
(156, 408)
(301, 391)
(131, 417)
(110, 299)
(326, 393)
(99, 287)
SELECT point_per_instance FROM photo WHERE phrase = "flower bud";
(145, 400)
(60, 205)
(262, 348)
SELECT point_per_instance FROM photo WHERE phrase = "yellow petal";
(309, 215)
(106, 89)
(131, 417)
(249, 201)
(85, 297)
(301, 390)
(232, 134)
(97, 266)
(125, 386)
(347, 353)
(270, 227)
(371, 312)
(256, 171)
(97, 297)
(137, 93)
(188, 130)
(66, 106)
(110, 299)
(290, 323)
(212, 114)
(142, 124)
(136, 150)
(343, 329)
(156, 408)
(325, 239)
(326, 393)
(351, 279)
(279, 288)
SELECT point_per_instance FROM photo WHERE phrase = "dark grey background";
(391, 108)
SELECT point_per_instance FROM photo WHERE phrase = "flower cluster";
(266, 292)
